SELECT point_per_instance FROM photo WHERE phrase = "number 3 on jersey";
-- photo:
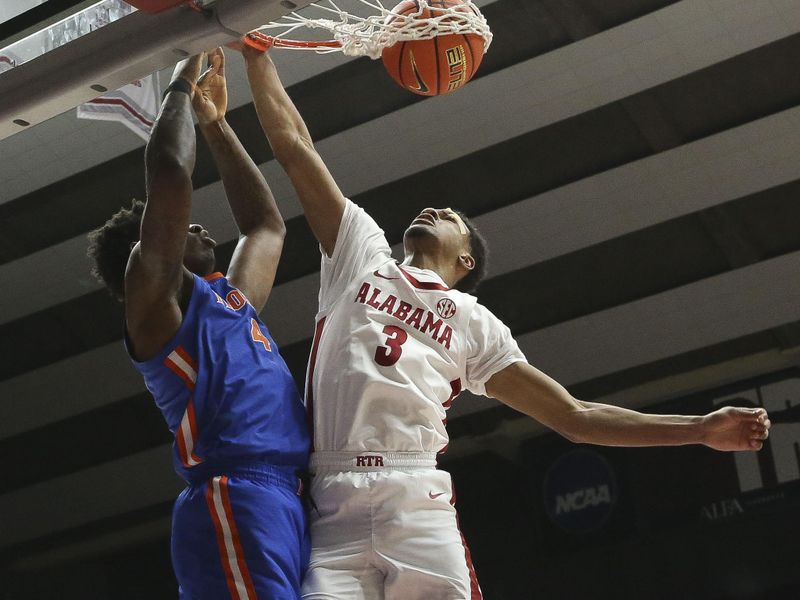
(389, 354)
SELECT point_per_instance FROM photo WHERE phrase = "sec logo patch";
(446, 308)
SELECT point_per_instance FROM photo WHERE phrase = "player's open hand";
(733, 428)
(210, 101)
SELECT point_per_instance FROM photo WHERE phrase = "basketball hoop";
(355, 35)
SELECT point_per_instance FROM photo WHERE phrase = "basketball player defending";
(394, 345)
(239, 529)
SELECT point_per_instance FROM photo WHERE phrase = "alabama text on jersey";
(393, 347)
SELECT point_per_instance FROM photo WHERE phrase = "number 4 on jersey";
(255, 332)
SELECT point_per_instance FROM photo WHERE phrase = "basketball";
(434, 66)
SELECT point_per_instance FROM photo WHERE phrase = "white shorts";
(385, 532)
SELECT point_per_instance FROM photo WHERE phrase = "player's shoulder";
(214, 281)
(215, 284)
(222, 291)
(353, 212)
(452, 302)
(355, 217)
(464, 298)
(481, 313)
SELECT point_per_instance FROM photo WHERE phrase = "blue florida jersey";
(223, 388)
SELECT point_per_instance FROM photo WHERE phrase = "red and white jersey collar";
(424, 278)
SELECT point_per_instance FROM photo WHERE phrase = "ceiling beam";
(123, 51)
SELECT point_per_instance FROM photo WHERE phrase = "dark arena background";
(634, 166)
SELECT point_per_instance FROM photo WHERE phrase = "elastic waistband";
(285, 476)
(371, 461)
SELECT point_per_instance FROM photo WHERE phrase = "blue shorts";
(242, 535)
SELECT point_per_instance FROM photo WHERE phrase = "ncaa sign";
(580, 491)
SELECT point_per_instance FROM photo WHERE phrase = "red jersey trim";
(423, 285)
(186, 437)
(474, 587)
(183, 365)
(237, 575)
(312, 363)
(213, 276)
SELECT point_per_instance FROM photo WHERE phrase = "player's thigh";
(340, 514)
(195, 553)
(341, 534)
(274, 536)
(239, 534)
(423, 570)
(343, 582)
(425, 554)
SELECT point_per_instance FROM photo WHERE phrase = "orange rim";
(259, 41)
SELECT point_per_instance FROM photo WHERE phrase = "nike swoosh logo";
(435, 496)
(384, 276)
(421, 87)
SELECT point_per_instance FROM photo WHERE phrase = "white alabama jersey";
(393, 347)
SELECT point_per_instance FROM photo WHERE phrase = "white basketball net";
(368, 36)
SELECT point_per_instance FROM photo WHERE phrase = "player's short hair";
(110, 247)
(479, 252)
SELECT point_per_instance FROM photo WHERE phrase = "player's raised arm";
(530, 391)
(155, 273)
(260, 224)
(291, 142)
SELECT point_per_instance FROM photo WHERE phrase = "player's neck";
(430, 262)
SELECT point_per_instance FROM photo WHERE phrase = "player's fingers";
(759, 426)
(201, 59)
(188, 64)
(756, 444)
(756, 415)
(202, 79)
(211, 54)
(219, 53)
(209, 72)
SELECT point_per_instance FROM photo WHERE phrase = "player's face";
(440, 224)
(198, 256)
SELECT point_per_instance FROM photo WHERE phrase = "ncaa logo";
(580, 491)
(446, 308)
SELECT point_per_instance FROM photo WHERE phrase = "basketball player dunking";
(394, 345)
(239, 528)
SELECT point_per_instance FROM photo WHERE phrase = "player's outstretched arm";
(260, 224)
(155, 273)
(322, 200)
(530, 391)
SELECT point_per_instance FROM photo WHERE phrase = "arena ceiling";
(632, 163)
